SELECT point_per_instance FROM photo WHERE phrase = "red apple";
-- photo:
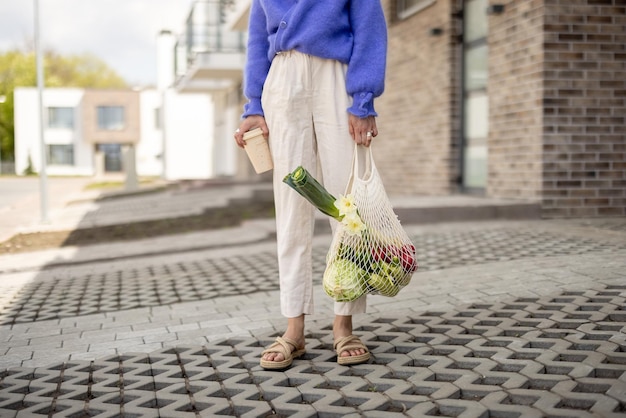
(384, 253)
(378, 254)
(407, 257)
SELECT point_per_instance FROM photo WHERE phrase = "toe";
(352, 353)
(273, 357)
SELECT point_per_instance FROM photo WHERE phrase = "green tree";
(17, 69)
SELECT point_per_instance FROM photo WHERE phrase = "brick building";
(511, 99)
(520, 99)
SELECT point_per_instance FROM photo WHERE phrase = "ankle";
(342, 326)
(295, 328)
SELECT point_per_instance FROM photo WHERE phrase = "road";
(20, 203)
(14, 189)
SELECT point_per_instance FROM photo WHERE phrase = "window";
(111, 118)
(61, 154)
(475, 100)
(476, 71)
(406, 8)
(112, 156)
(61, 117)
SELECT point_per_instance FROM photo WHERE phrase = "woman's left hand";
(362, 130)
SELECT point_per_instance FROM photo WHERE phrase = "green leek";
(305, 184)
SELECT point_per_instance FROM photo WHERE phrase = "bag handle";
(364, 152)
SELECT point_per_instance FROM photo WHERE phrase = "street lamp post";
(43, 178)
(3, 99)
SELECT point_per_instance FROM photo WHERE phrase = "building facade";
(92, 133)
(511, 99)
(209, 59)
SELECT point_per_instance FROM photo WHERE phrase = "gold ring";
(369, 133)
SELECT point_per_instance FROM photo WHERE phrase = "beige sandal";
(283, 346)
(351, 342)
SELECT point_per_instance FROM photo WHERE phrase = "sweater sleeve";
(257, 63)
(365, 79)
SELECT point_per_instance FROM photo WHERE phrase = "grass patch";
(114, 184)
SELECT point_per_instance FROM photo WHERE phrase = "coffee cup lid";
(251, 134)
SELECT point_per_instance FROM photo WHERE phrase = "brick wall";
(127, 99)
(415, 152)
(515, 84)
(584, 144)
(557, 99)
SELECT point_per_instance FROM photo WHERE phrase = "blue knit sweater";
(353, 32)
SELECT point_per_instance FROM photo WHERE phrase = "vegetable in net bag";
(370, 251)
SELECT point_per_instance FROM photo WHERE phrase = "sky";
(122, 33)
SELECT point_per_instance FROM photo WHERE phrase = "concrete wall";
(149, 150)
(225, 122)
(189, 136)
(27, 143)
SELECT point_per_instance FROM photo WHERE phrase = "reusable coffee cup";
(258, 150)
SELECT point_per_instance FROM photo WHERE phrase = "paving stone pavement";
(535, 327)
(541, 356)
(504, 319)
(62, 293)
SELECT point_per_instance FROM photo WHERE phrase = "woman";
(313, 70)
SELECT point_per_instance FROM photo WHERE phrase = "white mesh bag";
(370, 251)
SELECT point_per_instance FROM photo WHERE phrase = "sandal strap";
(290, 342)
(281, 345)
(350, 342)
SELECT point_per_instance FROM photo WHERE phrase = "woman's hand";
(249, 123)
(362, 130)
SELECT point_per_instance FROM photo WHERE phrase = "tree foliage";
(18, 69)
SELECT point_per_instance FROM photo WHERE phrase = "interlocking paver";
(60, 293)
(427, 364)
(159, 338)
(539, 335)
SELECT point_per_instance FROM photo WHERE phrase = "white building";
(89, 132)
(210, 58)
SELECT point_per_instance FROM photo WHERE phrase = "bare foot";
(295, 332)
(342, 327)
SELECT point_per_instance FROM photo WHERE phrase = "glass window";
(476, 101)
(61, 117)
(111, 118)
(475, 20)
(476, 117)
(60, 154)
(475, 167)
(406, 8)
(476, 68)
(112, 156)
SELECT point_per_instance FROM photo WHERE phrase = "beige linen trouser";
(304, 100)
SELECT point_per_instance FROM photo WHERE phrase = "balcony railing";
(205, 33)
